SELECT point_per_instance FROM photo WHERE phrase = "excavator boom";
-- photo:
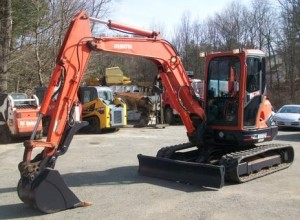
(39, 182)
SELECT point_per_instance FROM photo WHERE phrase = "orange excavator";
(223, 133)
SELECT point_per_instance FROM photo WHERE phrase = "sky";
(164, 13)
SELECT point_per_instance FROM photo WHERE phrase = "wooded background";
(32, 31)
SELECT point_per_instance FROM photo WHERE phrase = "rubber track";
(231, 161)
(167, 152)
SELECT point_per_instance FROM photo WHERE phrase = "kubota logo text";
(123, 46)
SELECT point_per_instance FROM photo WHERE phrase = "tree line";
(32, 32)
(271, 26)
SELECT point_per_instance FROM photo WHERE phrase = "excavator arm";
(37, 174)
(72, 61)
(39, 181)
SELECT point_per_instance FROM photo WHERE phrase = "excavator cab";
(223, 91)
(238, 111)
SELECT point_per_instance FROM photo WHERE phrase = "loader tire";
(169, 116)
(5, 137)
(115, 129)
(94, 126)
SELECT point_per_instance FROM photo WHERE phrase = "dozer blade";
(181, 171)
(48, 193)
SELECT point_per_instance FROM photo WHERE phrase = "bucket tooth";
(186, 172)
(48, 193)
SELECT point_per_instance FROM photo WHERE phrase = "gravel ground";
(103, 168)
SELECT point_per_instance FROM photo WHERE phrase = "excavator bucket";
(186, 172)
(48, 193)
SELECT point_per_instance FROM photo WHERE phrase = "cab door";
(255, 88)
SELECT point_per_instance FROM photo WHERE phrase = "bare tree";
(51, 20)
(263, 28)
(5, 39)
(211, 36)
(289, 47)
(183, 37)
(229, 24)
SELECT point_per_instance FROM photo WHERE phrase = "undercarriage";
(212, 166)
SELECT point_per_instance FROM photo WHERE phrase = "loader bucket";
(48, 193)
(186, 172)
